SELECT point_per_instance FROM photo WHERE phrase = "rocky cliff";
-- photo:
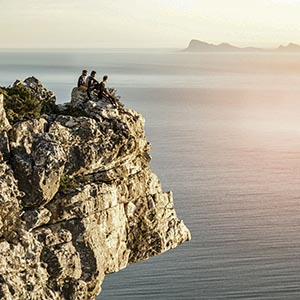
(78, 199)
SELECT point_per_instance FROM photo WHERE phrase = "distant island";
(200, 46)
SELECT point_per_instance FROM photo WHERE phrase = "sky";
(147, 23)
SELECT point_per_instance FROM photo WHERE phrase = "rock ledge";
(78, 200)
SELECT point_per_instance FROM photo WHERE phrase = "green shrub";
(67, 184)
(20, 104)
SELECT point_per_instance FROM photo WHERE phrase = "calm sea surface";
(225, 132)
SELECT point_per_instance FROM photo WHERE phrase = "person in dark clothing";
(102, 89)
(81, 83)
(104, 93)
(92, 83)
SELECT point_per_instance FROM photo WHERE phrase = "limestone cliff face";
(78, 201)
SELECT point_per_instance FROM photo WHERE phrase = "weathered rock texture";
(78, 201)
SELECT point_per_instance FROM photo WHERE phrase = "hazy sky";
(147, 23)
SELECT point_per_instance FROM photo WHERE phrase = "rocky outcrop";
(200, 46)
(78, 200)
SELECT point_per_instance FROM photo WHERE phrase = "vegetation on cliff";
(21, 103)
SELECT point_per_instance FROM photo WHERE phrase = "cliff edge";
(78, 199)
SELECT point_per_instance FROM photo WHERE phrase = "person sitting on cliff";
(81, 83)
(92, 83)
(104, 93)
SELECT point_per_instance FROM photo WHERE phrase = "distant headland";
(200, 46)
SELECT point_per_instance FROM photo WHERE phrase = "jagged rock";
(38, 89)
(4, 124)
(79, 99)
(4, 146)
(9, 201)
(36, 217)
(38, 161)
(4, 128)
(92, 145)
(78, 200)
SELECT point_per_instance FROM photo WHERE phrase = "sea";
(225, 135)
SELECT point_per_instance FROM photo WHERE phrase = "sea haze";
(225, 135)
